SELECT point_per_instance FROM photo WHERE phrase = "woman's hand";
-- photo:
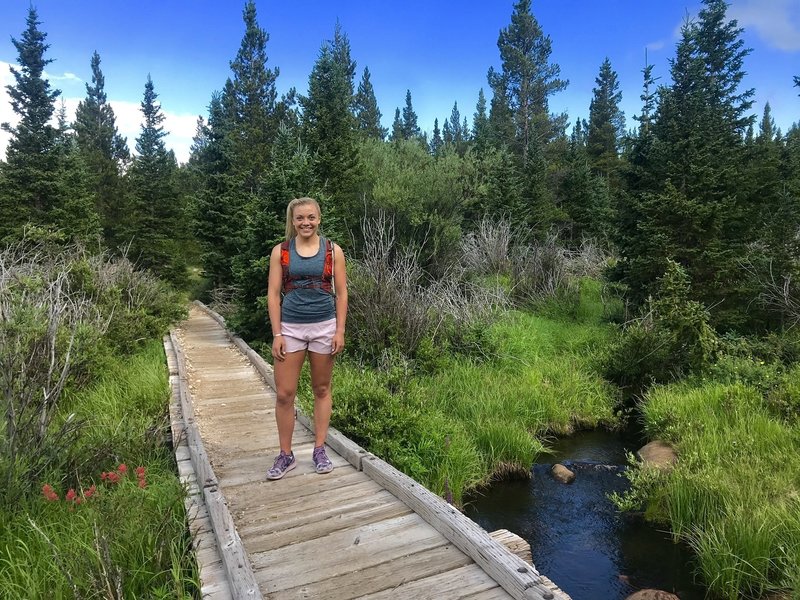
(337, 343)
(279, 348)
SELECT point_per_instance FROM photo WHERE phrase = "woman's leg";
(321, 372)
(287, 374)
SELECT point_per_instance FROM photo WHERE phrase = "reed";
(735, 494)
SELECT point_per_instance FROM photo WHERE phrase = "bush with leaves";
(394, 306)
(672, 339)
(62, 311)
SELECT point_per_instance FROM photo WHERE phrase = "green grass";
(125, 539)
(471, 421)
(735, 494)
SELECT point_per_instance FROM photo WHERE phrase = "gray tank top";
(312, 304)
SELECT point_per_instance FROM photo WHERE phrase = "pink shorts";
(314, 337)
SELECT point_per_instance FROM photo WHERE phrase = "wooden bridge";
(364, 531)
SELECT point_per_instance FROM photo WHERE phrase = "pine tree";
(606, 122)
(529, 78)
(410, 128)
(105, 153)
(397, 127)
(436, 140)
(501, 119)
(480, 124)
(30, 182)
(368, 115)
(691, 203)
(253, 97)
(75, 214)
(157, 227)
(329, 125)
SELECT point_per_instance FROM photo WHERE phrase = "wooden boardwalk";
(363, 531)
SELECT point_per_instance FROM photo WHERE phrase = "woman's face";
(305, 219)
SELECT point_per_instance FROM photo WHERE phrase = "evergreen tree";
(691, 203)
(157, 227)
(480, 124)
(234, 162)
(217, 206)
(606, 122)
(75, 214)
(253, 102)
(105, 153)
(529, 78)
(30, 184)
(501, 119)
(397, 127)
(329, 125)
(436, 140)
(367, 114)
(410, 129)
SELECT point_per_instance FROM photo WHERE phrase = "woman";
(309, 272)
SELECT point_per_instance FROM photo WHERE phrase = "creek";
(578, 538)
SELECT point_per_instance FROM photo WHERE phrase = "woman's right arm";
(274, 283)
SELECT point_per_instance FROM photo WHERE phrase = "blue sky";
(440, 50)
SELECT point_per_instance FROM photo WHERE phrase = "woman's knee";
(285, 398)
(321, 390)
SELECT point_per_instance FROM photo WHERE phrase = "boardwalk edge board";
(241, 578)
(520, 579)
(348, 449)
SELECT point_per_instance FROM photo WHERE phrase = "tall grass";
(124, 540)
(735, 493)
(469, 420)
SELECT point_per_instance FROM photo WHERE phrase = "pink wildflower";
(90, 492)
(123, 468)
(139, 472)
(103, 475)
(142, 483)
(71, 495)
(49, 493)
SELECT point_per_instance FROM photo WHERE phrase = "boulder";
(658, 454)
(562, 473)
(652, 595)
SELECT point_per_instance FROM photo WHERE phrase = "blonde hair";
(290, 231)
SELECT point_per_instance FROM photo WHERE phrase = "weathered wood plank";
(383, 576)
(344, 552)
(285, 529)
(457, 583)
(519, 579)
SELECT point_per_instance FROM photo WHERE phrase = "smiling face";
(305, 219)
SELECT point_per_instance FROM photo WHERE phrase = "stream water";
(577, 537)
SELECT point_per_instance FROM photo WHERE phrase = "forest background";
(677, 237)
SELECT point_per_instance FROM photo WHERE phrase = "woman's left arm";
(340, 287)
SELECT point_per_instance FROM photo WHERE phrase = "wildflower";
(142, 483)
(49, 493)
(71, 495)
(139, 472)
(123, 468)
(112, 477)
(103, 476)
(90, 492)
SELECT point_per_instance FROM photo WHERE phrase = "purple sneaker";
(322, 464)
(283, 464)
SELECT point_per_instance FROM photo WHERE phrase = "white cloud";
(65, 77)
(777, 22)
